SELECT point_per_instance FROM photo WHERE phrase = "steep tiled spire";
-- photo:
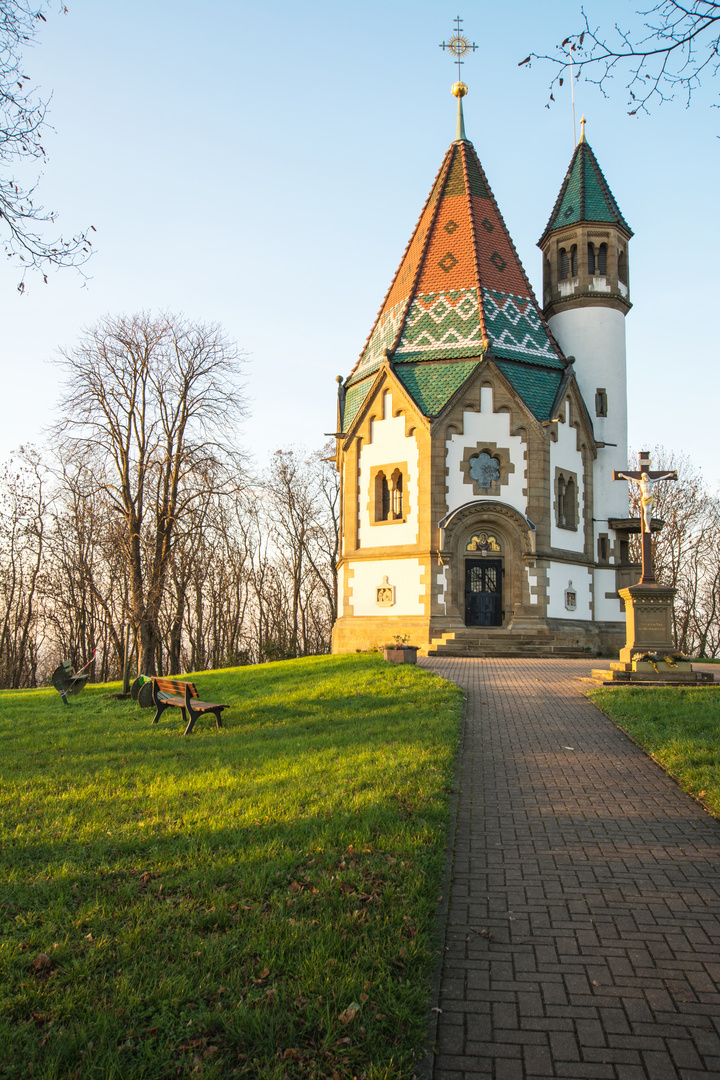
(460, 292)
(584, 195)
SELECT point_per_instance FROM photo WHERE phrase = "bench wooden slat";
(165, 694)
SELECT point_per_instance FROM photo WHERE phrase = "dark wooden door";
(483, 592)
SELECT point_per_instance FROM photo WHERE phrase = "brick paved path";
(599, 881)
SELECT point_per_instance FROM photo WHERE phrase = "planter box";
(401, 654)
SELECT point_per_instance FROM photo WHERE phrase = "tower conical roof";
(459, 294)
(584, 194)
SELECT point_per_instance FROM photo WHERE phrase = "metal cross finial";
(458, 45)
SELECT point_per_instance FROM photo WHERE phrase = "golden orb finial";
(459, 89)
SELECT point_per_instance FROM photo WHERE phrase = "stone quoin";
(478, 432)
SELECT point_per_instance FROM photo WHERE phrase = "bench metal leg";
(160, 708)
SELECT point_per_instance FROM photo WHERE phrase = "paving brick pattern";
(599, 881)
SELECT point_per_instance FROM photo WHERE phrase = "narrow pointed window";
(622, 267)
(397, 495)
(573, 260)
(591, 258)
(564, 263)
(602, 260)
(382, 497)
(570, 519)
(561, 500)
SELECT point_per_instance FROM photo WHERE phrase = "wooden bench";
(183, 695)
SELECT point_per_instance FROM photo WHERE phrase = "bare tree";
(302, 514)
(23, 517)
(151, 410)
(686, 553)
(674, 46)
(22, 120)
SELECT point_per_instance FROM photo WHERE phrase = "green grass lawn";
(679, 727)
(256, 901)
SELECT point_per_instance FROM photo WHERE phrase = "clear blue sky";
(263, 167)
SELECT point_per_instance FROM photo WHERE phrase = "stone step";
(558, 652)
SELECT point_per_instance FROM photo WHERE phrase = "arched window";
(546, 274)
(573, 260)
(396, 494)
(622, 267)
(569, 507)
(389, 494)
(564, 263)
(602, 260)
(591, 258)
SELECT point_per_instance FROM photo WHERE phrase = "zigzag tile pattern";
(516, 330)
(383, 337)
(443, 324)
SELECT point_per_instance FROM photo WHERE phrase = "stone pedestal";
(648, 614)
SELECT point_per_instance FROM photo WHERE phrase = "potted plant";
(400, 652)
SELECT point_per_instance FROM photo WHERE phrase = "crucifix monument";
(646, 480)
(648, 605)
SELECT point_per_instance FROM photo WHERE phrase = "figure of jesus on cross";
(645, 480)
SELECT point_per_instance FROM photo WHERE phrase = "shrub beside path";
(583, 915)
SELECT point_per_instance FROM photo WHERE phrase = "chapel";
(478, 431)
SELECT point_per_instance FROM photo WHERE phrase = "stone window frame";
(501, 455)
(601, 402)
(389, 471)
(563, 476)
(604, 549)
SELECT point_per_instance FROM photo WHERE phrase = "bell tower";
(586, 296)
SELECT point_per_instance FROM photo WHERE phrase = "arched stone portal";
(485, 547)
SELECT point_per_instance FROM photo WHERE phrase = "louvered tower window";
(591, 258)
(573, 260)
(602, 260)
(622, 267)
(564, 263)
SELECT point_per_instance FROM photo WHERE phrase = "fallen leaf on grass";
(343, 1042)
(350, 1013)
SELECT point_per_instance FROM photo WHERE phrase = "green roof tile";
(537, 387)
(432, 385)
(584, 194)
(354, 398)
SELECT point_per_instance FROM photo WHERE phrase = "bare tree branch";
(676, 45)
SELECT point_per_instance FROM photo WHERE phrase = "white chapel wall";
(388, 444)
(607, 608)
(565, 456)
(561, 574)
(492, 427)
(595, 336)
(403, 575)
